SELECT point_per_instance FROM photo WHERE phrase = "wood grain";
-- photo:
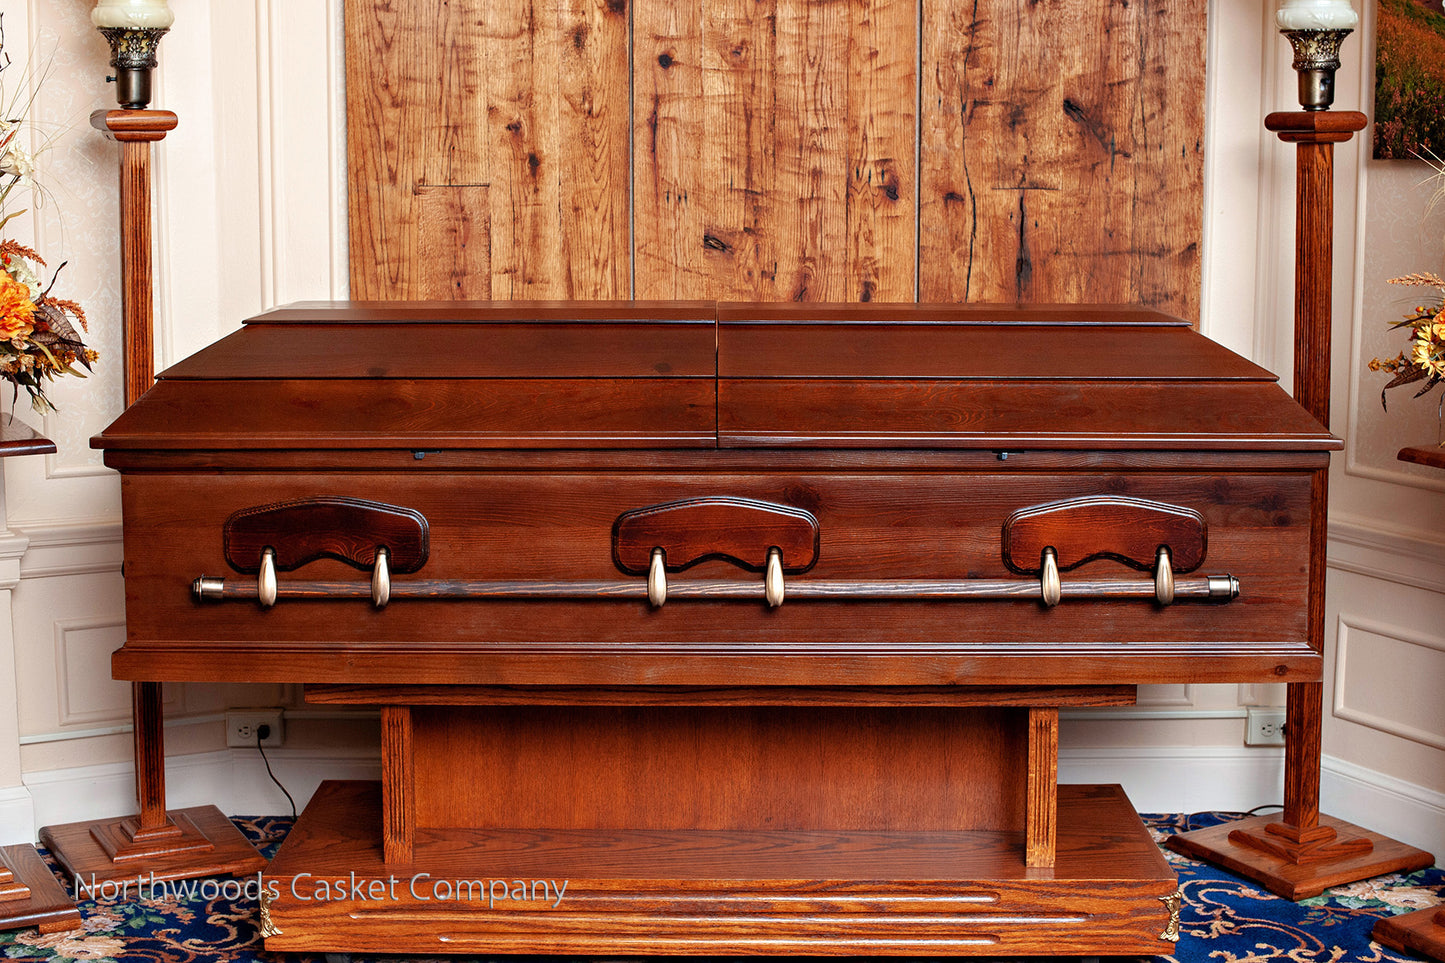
(1041, 801)
(873, 523)
(740, 530)
(350, 529)
(1062, 171)
(1421, 932)
(1127, 530)
(454, 242)
(774, 149)
(398, 786)
(767, 150)
(735, 892)
(720, 768)
(30, 895)
(521, 150)
(955, 696)
(1294, 880)
(225, 851)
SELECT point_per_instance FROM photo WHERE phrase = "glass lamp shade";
(1316, 15)
(132, 14)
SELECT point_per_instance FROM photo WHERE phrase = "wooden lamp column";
(1300, 853)
(199, 841)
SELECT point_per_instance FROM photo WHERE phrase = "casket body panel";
(911, 434)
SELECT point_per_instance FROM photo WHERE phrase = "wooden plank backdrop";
(811, 150)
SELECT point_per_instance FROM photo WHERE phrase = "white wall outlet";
(1264, 726)
(242, 726)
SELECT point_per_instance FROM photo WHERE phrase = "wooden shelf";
(1431, 455)
(18, 438)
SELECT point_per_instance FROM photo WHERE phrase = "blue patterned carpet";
(1223, 920)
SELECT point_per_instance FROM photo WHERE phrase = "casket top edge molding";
(691, 375)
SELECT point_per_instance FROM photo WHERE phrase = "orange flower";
(17, 311)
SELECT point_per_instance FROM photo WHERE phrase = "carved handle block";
(1129, 530)
(740, 530)
(349, 529)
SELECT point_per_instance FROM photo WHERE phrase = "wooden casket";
(717, 628)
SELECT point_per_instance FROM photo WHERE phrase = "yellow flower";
(17, 311)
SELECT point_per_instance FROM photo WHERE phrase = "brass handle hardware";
(381, 578)
(773, 579)
(266, 579)
(1050, 588)
(657, 578)
(1163, 577)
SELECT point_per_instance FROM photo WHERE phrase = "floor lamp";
(155, 843)
(1300, 853)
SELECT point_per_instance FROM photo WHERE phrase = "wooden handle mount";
(349, 529)
(741, 530)
(1128, 530)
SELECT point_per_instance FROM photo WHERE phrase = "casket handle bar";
(760, 536)
(1210, 588)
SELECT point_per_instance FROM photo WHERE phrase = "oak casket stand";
(717, 629)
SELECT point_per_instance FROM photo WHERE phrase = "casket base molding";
(720, 892)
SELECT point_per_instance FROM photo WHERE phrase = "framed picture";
(1410, 79)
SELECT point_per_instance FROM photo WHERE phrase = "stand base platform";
(1421, 932)
(223, 851)
(30, 895)
(718, 892)
(1375, 854)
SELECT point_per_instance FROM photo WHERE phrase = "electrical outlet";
(243, 724)
(1264, 726)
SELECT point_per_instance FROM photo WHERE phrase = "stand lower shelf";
(719, 892)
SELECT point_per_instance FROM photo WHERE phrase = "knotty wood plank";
(774, 146)
(529, 123)
(1062, 171)
(668, 189)
(454, 250)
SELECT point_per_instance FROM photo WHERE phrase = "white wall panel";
(85, 696)
(1388, 678)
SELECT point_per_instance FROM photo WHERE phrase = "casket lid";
(596, 375)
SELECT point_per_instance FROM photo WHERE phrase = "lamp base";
(1299, 864)
(98, 851)
(30, 895)
(1421, 932)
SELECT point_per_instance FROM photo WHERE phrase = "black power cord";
(262, 731)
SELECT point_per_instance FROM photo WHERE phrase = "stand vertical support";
(154, 843)
(1302, 853)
